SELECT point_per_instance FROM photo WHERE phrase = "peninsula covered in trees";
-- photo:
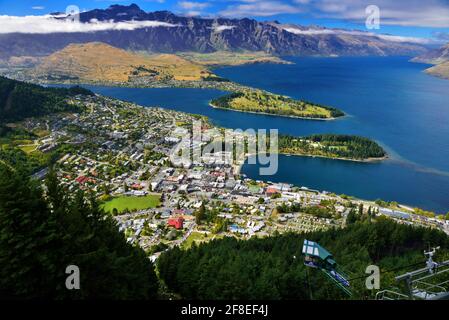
(258, 101)
(347, 147)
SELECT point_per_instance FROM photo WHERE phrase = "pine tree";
(360, 209)
(200, 214)
(351, 218)
(40, 236)
(29, 239)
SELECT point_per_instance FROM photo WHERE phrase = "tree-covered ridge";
(41, 235)
(17, 156)
(20, 100)
(332, 146)
(19, 160)
(263, 102)
(272, 268)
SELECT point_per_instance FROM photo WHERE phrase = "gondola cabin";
(317, 257)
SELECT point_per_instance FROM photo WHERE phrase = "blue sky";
(416, 18)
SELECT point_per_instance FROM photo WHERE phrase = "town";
(122, 153)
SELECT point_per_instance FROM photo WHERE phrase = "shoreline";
(177, 84)
(224, 65)
(367, 160)
(237, 168)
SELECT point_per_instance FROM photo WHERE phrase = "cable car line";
(391, 270)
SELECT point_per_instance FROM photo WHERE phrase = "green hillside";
(272, 267)
(20, 100)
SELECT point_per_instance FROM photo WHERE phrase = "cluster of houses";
(135, 224)
(415, 219)
(134, 156)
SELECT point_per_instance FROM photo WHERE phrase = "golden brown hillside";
(440, 70)
(100, 62)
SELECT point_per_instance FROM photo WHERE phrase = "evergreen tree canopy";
(273, 268)
(41, 235)
(19, 100)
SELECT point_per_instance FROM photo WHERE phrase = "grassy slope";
(103, 63)
(440, 70)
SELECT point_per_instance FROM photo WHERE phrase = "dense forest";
(40, 236)
(19, 100)
(272, 268)
(332, 145)
(259, 101)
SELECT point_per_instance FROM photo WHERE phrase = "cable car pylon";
(428, 283)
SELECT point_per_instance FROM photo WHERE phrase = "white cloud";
(190, 5)
(310, 32)
(38, 7)
(443, 36)
(404, 39)
(429, 13)
(192, 9)
(192, 13)
(259, 9)
(48, 24)
(218, 28)
(387, 37)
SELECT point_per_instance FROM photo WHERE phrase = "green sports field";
(132, 203)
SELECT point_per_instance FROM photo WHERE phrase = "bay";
(387, 99)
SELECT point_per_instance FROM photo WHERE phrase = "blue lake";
(387, 99)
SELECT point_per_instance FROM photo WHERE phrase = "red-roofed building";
(176, 222)
(218, 174)
(82, 179)
(137, 186)
(270, 191)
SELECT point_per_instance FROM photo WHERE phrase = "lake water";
(387, 99)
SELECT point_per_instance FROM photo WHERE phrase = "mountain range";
(436, 56)
(439, 58)
(165, 32)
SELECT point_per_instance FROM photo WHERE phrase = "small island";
(258, 101)
(336, 146)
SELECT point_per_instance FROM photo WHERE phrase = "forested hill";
(262, 102)
(272, 268)
(332, 146)
(19, 100)
(38, 243)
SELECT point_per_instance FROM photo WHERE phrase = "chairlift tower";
(428, 283)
